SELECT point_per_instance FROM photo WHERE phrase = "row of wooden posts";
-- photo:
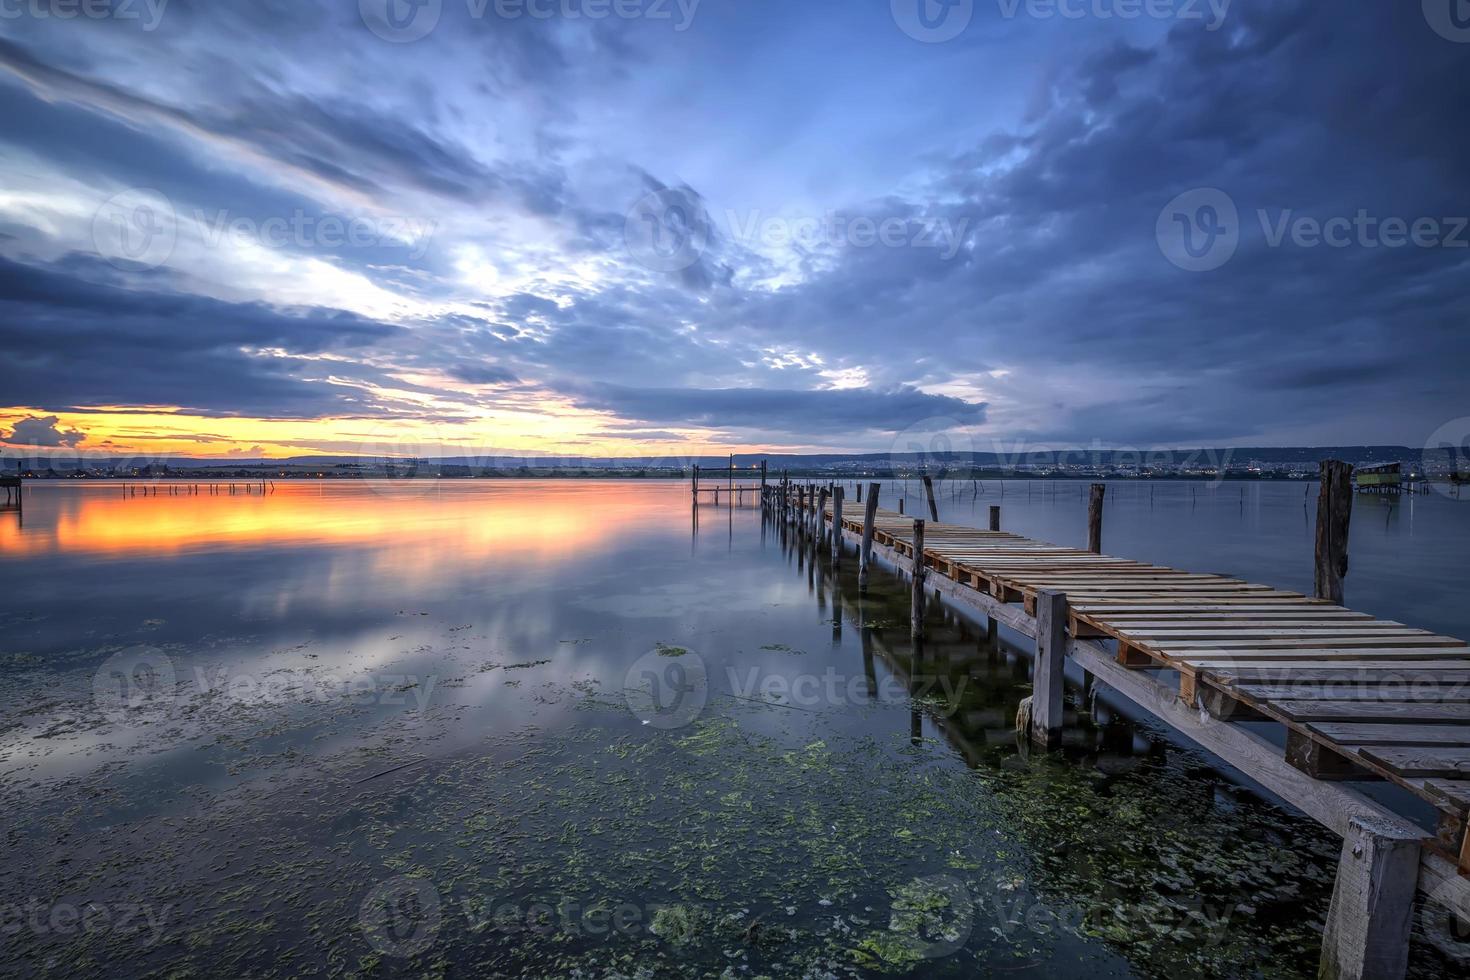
(196, 489)
(804, 505)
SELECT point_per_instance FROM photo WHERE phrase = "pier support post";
(870, 515)
(1367, 934)
(819, 513)
(694, 486)
(917, 623)
(1049, 668)
(1334, 515)
(1094, 517)
(933, 507)
(995, 517)
(837, 495)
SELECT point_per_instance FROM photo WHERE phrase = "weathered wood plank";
(1421, 760)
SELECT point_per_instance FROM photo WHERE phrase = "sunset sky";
(347, 226)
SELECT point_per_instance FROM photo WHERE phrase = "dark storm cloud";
(820, 412)
(73, 342)
(1056, 304)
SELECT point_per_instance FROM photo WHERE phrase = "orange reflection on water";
(471, 519)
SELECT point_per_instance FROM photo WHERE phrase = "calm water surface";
(579, 729)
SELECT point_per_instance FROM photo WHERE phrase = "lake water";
(579, 729)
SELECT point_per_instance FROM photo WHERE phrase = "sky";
(662, 227)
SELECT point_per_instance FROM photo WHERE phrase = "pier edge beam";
(917, 625)
(1368, 922)
(1050, 667)
(870, 516)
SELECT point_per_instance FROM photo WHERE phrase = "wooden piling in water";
(933, 507)
(837, 494)
(917, 623)
(1049, 667)
(994, 517)
(1334, 516)
(1094, 517)
(870, 514)
(1368, 922)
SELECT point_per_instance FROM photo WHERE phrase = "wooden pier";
(1358, 698)
(725, 478)
(14, 492)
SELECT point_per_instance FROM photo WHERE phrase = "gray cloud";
(43, 432)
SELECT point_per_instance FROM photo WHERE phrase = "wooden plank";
(1347, 733)
(1411, 658)
(1353, 691)
(1319, 711)
(1421, 760)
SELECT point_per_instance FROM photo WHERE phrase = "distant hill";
(1235, 462)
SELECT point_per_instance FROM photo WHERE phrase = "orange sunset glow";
(553, 428)
(415, 516)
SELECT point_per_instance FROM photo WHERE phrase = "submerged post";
(994, 517)
(837, 496)
(870, 514)
(1334, 515)
(933, 507)
(1094, 517)
(1050, 667)
(1368, 922)
(917, 624)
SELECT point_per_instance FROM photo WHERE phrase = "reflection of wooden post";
(1367, 933)
(1050, 667)
(933, 507)
(837, 495)
(870, 514)
(1334, 514)
(1094, 518)
(994, 517)
(917, 624)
